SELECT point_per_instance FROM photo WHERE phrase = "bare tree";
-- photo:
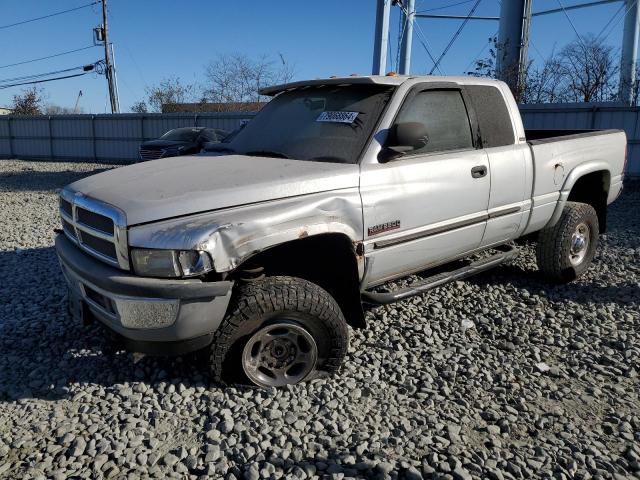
(635, 87)
(139, 107)
(29, 102)
(487, 67)
(169, 91)
(543, 84)
(236, 78)
(584, 71)
(589, 70)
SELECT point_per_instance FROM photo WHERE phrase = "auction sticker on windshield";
(337, 117)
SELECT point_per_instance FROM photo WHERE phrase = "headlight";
(170, 263)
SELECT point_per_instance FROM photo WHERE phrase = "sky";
(161, 38)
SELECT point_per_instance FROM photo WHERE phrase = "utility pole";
(407, 38)
(510, 41)
(381, 39)
(524, 49)
(115, 77)
(629, 51)
(113, 97)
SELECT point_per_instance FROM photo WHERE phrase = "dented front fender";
(232, 235)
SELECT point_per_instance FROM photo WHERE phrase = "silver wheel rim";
(279, 354)
(579, 244)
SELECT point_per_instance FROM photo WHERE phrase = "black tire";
(556, 259)
(256, 305)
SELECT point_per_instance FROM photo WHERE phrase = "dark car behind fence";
(103, 138)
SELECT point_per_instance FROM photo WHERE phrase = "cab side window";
(444, 117)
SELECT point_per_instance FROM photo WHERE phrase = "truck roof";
(395, 80)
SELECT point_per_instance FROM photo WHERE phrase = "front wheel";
(566, 250)
(279, 331)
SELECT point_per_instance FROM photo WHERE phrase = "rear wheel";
(566, 250)
(279, 331)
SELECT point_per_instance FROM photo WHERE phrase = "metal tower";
(513, 37)
(629, 54)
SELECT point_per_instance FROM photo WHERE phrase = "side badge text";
(383, 227)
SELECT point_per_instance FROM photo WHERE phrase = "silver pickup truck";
(267, 248)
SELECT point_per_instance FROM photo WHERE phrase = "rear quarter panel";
(559, 162)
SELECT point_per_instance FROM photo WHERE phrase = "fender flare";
(575, 174)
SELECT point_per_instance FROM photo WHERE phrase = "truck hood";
(177, 186)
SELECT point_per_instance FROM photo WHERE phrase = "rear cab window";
(494, 119)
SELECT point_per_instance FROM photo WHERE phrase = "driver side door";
(429, 205)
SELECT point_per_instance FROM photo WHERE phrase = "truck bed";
(536, 136)
(561, 156)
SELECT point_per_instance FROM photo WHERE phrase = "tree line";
(585, 70)
(230, 78)
(33, 101)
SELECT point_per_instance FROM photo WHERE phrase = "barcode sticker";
(337, 117)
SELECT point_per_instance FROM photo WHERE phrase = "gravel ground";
(502, 376)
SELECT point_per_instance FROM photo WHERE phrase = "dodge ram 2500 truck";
(266, 249)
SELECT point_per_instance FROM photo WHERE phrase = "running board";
(507, 252)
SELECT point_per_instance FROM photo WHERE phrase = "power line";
(422, 38)
(491, 39)
(48, 16)
(40, 75)
(564, 10)
(619, 20)
(48, 56)
(455, 36)
(610, 21)
(2, 87)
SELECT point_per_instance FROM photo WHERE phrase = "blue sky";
(156, 39)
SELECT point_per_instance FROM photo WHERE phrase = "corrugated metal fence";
(115, 138)
(103, 138)
(589, 117)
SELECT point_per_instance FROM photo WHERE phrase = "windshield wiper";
(266, 153)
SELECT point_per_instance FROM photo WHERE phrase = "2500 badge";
(383, 227)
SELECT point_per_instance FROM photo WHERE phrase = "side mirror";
(408, 135)
(404, 138)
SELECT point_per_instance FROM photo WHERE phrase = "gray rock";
(460, 473)
(170, 459)
(418, 380)
(78, 447)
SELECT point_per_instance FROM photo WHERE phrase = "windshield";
(326, 123)
(182, 134)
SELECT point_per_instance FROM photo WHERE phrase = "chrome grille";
(95, 220)
(96, 227)
(69, 229)
(66, 207)
(97, 244)
(146, 154)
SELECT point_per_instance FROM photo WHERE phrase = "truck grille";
(97, 228)
(95, 220)
(146, 154)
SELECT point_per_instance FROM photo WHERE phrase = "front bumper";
(149, 313)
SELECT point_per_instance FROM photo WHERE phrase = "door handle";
(479, 171)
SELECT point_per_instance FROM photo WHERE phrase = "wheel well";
(593, 189)
(328, 260)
